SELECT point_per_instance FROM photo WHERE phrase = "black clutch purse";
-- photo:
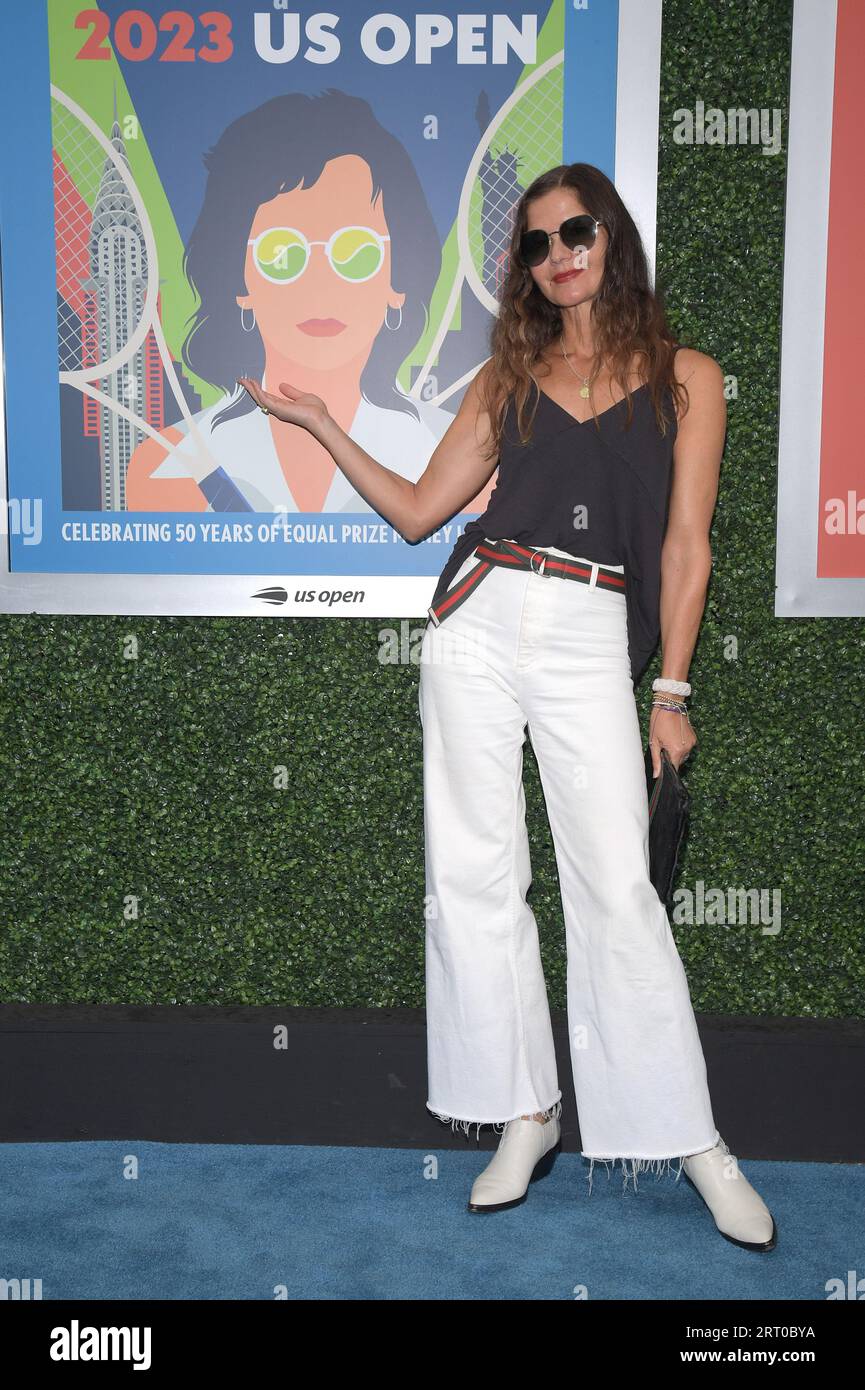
(669, 804)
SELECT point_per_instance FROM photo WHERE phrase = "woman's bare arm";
(454, 475)
(686, 557)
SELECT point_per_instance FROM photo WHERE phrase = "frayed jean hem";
(659, 1166)
(554, 1111)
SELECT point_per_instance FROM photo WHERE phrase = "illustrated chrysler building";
(118, 284)
(102, 286)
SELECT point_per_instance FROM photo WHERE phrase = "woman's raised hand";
(291, 405)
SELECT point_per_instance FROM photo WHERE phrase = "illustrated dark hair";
(629, 316)
(280, 145)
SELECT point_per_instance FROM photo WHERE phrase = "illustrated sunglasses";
(574, 231)
(281, 254)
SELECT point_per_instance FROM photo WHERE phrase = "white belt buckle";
(593, 582)
(543, 565)
(434, 618)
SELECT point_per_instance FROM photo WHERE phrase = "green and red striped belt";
(521, 557)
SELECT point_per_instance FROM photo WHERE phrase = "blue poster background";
(183, 109)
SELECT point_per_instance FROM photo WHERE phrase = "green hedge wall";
(149, 857)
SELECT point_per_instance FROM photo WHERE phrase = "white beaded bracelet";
(670, 686)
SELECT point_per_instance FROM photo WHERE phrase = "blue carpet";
(238, 1221)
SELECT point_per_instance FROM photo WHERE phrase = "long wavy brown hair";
(628, 316)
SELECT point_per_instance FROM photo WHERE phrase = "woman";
(621, 451)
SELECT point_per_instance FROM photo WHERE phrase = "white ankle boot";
(740, 1213)
(526, 1152)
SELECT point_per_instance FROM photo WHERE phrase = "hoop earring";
(392, 326)
(242, 322)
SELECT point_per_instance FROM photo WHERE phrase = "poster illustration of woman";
(314, 257)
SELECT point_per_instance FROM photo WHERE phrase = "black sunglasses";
(574, 231)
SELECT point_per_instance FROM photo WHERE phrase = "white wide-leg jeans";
(529, 649)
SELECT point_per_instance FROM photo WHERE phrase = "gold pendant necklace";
(586, 388)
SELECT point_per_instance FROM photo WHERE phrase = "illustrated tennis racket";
(524, 137)
(109, 342)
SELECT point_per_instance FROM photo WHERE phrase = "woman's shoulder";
(703, 382)
(696, 368)
(242, 431)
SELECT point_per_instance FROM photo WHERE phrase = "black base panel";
(782, 1088)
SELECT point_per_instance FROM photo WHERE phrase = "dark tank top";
(598, 491)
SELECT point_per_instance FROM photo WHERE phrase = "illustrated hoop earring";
(392, 326)
(242, 322)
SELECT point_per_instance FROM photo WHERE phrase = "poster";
(820, 567)
(262, 190)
